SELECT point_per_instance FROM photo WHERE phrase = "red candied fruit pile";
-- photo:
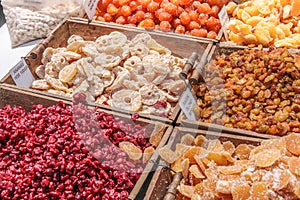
(197, 18)
(66, 152)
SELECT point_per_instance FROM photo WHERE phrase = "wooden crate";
(163, 177)
(27, 99)
(224, 48)
(182, 47)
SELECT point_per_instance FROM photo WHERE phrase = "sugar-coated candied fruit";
(197, 18)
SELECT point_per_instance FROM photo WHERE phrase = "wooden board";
(27, 99)
(162, 178)
(182, 47)
(223, 48)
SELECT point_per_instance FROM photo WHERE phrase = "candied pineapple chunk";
(241, 192)
(195, 171)
(259, 191)
(201, 141)
(267, 157)
(131, 150)
(194, 151)
(186, 190)
(187, 139)
(222, 171)
(294, 165)
(168, 155)
(236, 38)
(293, 143)
(242, 151)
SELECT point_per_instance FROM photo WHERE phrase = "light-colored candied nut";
(40, 71)
(150, 94)
(127, 100)
(74, 38)
(139, 50)
(57, 84)
(107, 61)
(40, 84)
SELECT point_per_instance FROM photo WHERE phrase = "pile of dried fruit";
(138, 75)
(252, 89)
(65, 152)
(266, 22)
(213, 170)
(196, 18)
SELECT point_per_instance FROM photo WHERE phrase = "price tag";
(90, 7)
(187, 103)
(21, 74)
(224, 19)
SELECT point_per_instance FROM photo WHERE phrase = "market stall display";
(267, 22)
(72, 152)
(250, 89)
(27, 21)
(195, 18)
(116, 66)
(217, 166)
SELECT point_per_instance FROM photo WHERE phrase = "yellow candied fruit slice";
(176, 166)
(68, 73)
(294, 165)
(259, 191)
(186, 190)
(194, 151)
(201, 141)
(181, 148)
(131, 150)
(147, 154)
(232, 169)
(267, 157)
(229, 147)
(215, 146)
(242, 151)
(293, 143)
(195, 171)
(236, 38)
(185, 165)
(187, 139)
(199, 162)
(241, 192)
(168, 155)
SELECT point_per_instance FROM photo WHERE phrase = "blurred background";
(2, 20)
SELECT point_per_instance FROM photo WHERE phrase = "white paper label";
(224, 19)
(187, 103)
(90, 7)
(21, 74)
